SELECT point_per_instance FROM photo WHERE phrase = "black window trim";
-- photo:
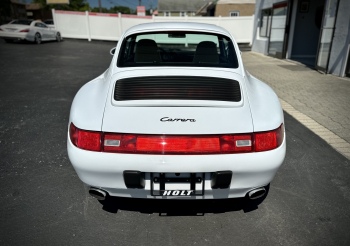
(235, 49)
(267, 34)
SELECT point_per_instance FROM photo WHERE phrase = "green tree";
(5, 11)
(97, 10)
(121, 9)
(115, 10)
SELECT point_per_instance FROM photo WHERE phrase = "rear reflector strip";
(176, 144)
(243, 143)
(111, 142)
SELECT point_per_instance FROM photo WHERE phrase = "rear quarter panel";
(88, 105)
(265, 106)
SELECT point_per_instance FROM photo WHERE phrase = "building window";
(234, 13)
(265, 23)
(167, 14)
(182, 14)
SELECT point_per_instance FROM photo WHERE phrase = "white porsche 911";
(34, 31)
(176, 115)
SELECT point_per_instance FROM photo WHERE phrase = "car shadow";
(25, 42)
(168, 207)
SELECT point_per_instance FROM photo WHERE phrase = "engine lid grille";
(177, 88)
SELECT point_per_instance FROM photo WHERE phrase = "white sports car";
(34, 31)
(176, 115)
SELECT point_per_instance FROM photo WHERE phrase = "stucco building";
(180, 7)
(313, 32)
(235, 8)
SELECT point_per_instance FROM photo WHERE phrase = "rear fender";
(266, 109)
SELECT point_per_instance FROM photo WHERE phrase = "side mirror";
(112, 51)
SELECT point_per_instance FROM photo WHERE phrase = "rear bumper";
(105, 170)
(14, 35)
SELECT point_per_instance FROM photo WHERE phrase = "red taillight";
(174, 144)
(85, 139)
(1, 29)
(269, 140)
(178, 144)
(236, 143)
(25, 30)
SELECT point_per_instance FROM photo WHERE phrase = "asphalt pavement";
(43, 202)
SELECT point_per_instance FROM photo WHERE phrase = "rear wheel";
(37, 38)
(58, 37)
(8, 40)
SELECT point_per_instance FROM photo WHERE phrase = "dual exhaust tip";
(256, 193)
(97, 193)
(101, 195)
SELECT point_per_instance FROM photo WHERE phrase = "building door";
(347, 70)
(326, 37)
(279, 30)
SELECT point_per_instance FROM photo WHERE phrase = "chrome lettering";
(165, 119)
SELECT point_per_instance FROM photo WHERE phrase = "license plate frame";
(194, 179)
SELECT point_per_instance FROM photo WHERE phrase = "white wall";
(100, 26)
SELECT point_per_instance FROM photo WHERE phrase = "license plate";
(177, 192)
(176, 184)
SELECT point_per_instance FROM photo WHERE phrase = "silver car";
(34, 31)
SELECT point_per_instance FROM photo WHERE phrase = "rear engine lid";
(169, 89)
(177, 87)
(214, 115)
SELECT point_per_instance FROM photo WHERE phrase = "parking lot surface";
(323, 98)
(43, 202)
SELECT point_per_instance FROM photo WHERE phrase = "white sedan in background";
(34, 31)
(176, 115)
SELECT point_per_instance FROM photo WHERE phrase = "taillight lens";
(269, 140)
(1, 29)
(85, 139)
(178, 144)
(236, 143)
(174, 144)
(25, 30)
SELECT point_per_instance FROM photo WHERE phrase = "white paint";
(93, 109)
(88, 26)
(46, 33)
(109, 27)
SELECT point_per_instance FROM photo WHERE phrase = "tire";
(58, 37)
(37, 38)
(8, 40)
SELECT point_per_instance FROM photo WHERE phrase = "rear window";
(21, 22)
(190, 49)
(48, 22)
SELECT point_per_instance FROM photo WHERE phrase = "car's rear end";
(177, 123)
(16, 30)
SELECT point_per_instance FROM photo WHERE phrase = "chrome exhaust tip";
(97, 193)
(257, 193)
